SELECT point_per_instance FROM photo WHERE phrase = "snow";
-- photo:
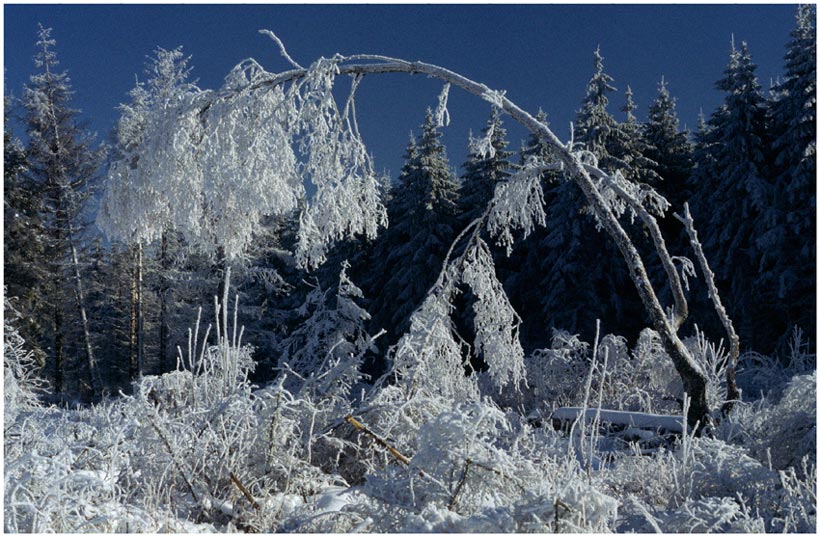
(639, 420)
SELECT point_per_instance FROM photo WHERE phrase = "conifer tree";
(630, 146)
(578, 288)
(487, 164)
(788, 248)
(63, 165)
(328, 347)
(595, 125)
(423, 213)
(668, 147)
(731, 175)
(23, 240)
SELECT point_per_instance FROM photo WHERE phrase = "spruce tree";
(594, 125)
(630, 146)
(423, 215)
(668, 147)
(576, 287)
(486, 165)
(732, 190)
(23, 240)
(63, 165)
(788, 248)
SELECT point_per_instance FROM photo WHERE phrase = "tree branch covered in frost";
(496, 323)
(643, 200)
(733, 394)
(428, 358)
(442, 115)
(518, 204)
(212, 167)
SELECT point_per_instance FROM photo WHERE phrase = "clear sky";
(540, 54)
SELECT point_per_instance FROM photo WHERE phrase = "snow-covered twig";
(281, 48)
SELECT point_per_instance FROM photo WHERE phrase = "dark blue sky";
(541, 55)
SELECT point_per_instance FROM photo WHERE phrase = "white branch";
(281, 48)
(709, 277)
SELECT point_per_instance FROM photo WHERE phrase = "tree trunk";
(132, 325)
(694, 380)
(136, 323)
(58, 349)
(163, 303)
(79, 295)
(140, 316)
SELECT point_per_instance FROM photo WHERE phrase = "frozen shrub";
(795, 508)
(760, 375)
(710, 515)
(21, 385)
(552, 374)
(712, 360)
(476, 469)
(777, 434)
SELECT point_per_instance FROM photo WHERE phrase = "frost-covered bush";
(712, 360)
(552, 374)
(21, 384)
(643, 379)
(778, 434)
(66, 471)
(760, 375)
(475, 469)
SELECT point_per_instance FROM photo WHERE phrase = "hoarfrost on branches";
(483, 147)
(518, 204)
(211, 164)
(442, 115)
(428, 358)
(496, 323)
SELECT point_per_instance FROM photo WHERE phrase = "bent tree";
(220, 160)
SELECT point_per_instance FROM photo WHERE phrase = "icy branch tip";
(281, 48)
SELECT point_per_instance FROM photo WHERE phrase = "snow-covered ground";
(208, 452)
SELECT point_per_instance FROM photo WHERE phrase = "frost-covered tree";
(487, 164)
(132, 209)
(732, 174)
(631, 147)
(577, 289)
(23, 240)
(63, 165)
(326, 351)
(423, 211)
(346, 200)
(788, 248)
(667, 146)
(594, 125)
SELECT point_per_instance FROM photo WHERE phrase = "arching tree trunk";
(693, 378)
